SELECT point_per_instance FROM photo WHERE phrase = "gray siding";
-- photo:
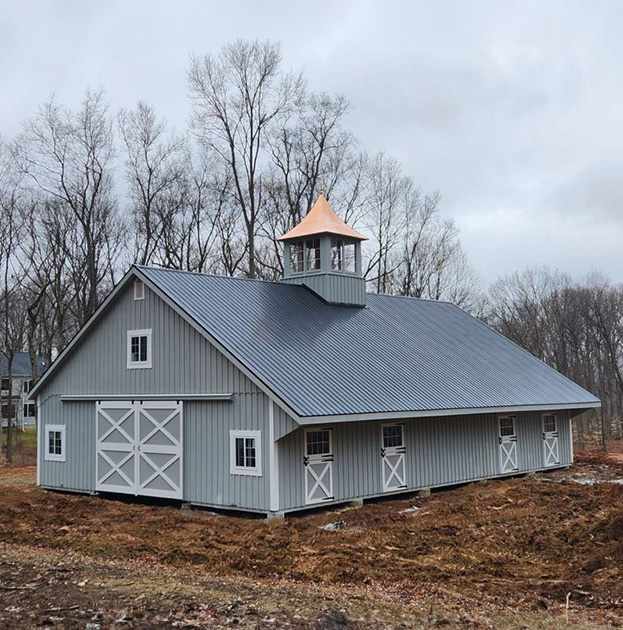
(334, 287)
(183, 363)
(439, 451)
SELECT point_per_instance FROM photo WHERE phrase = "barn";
(274, 397)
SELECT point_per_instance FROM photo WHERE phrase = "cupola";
(323, 253)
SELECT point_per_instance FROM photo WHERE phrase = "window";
(139, 349)
(507, 426)
(30, 410)
(139, 290)
(55, 442)
(296, 257)
(26, 386)
(549, 423)
(318, 442)
(342, 256)
(312, 254)
(245, 453)
(392, 435)
(4, 384)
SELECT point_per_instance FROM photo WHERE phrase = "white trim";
(318, 479)
(39, 436)
(273, 454)
(551, 442)
(82, 397)
(399, 451)
(138, 365)
(139, 294)
(56, 428)
(513, 419)
(255, 471)
(571, 439)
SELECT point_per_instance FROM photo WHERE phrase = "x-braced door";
(115, 456)
(139, 448)
(551, 451)
(159, 434)
(508, 444)
(318, 462)
(393, 457)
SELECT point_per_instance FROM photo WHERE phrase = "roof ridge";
(207, 275)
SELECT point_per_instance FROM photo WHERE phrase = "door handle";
(382, 452)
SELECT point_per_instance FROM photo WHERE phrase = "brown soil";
(490, 554)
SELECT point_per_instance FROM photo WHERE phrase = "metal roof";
(396, 355)
(21, 365)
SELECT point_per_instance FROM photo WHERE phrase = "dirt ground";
(543, 551)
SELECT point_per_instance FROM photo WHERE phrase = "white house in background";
(22, 382)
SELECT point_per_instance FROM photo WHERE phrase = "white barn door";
(160, 449)
(139, 448)
(115, 456)
(551, 450)
(318, 462)
(393, 457)
(508, 444)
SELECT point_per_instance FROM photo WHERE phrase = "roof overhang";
(441, 413)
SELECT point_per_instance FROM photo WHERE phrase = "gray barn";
(274, 397)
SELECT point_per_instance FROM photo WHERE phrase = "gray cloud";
(511, 110)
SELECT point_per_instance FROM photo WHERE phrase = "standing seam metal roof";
(395, 355)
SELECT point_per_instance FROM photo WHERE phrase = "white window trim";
(549, 415)
(245, 470)
(51, 457)
(321, 428)
(507, 417)
(139, 294)
(138, 365)
(28, 405)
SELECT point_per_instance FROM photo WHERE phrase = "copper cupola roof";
(321, 219)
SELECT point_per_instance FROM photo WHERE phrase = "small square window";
(318, 442)
(55, 442)
(507, 426)
(139, 349)
(5, 384)
(392, 436)
(245, 452)
(549, 423)
(343, 256)
(26, 386)
(139, 290)
(30, 410)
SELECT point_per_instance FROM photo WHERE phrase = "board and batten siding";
(183, 362)
(439, 451)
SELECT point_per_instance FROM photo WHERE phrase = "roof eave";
(440, 413)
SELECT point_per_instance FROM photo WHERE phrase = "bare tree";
(68, 155)
(237, 95)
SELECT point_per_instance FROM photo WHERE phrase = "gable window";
(245, 453)
(55, 442)
(342, 255)
(30, 410)
(312, 254)
(26, 386)
(139, 349)
(139, 290)
(297, 257)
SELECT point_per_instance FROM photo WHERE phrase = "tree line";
(86, 191)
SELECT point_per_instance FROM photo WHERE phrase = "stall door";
(318, 462)
(508, 444)
(393, 457)
(551, 451)
(139, 448)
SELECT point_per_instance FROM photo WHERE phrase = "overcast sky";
(513, 111)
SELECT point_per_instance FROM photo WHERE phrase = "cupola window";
(342, 256)
(312, 254)
(297, 257)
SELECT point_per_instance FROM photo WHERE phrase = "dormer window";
(342, 256)
(312, 254)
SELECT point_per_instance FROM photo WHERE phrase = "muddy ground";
(537, 551)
